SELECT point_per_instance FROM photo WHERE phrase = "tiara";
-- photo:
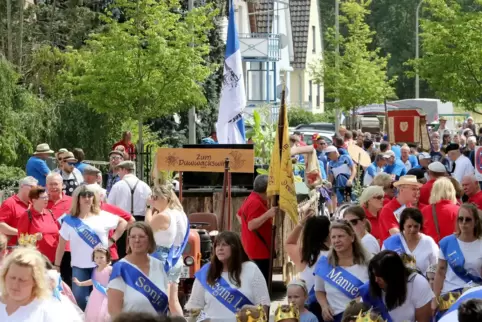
(27, 240)
(447, 300)
(248, 315)
(369, 316)
(287, 312)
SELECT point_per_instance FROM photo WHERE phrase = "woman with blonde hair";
(340, 273)
(86, 227)
(171, 230)
(385, 181)
(371, 200)
(26, 293)
(441, 215)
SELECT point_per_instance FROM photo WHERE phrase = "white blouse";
(50, 310)
(133, 300)
(371, 244)
(308, 273)
(473, 264)
(253, 286)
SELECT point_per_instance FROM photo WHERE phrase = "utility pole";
(417, 45)
(337, 51)
(192, 110)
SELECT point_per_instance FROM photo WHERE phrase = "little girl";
(96, 310)
(298, 294)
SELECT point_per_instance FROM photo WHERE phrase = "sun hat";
(407, 180)
(43, 148)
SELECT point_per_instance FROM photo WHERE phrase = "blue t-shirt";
(308, 317)
(413, 160)
(397, 168)
(80, 166)
(342, 178)
(38, 169)
(397, 150)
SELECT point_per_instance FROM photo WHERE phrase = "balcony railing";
(260, 47)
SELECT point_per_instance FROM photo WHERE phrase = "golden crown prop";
(27, 240)
(447, 300)
(469, 286)
(409, 261)
(250, 315)
(369, 316)
(284, 312)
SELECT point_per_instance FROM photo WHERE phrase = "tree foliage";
(452, 56)
(297, 116)
(357, 75)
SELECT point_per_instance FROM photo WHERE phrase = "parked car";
(319, 126)
(308, 134)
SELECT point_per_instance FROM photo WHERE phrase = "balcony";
(260, 47)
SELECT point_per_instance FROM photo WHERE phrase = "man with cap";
(91, 174)
(72, 178)
(341, 172)
(394, 166)
(435, 171)
(111, 177)
(408, 191)
(130, 193)
(375, 168)
(37, 166)
(461, 164)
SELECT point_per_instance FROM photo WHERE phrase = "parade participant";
(3, 247)
(408, 190)
(371, 200)
(256, 223)
(341, 172)
(13, 208)
(424, 160)
(456, 138)
(86, 227)
(446, 140)
(32, 301)
(375, 168)
(435, 170)
(138, 282)
(460, 257)
(472, 191)
(171, 232)
(342, 272)
(229, 282)
(72, 178)
(146, 317)
(435, 150)
(421, 251)
(397, 292)
(97, 309)
(340, 145)
(40, 222)
(467, 308)
(470, 151)
(409, 161)
(355, 215)
(37, 166)
(91, 174)
(394, 166)
(58, 284)
(440, 216)
(370, 148)
(305, 251)
(112, 177)
(126, 142)
(385, 181)
(80, 156)
(130, 193)
(300, 138)
(471, 125)
(319, 144)
(297, 294)
(462, 165)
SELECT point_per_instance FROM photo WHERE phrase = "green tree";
(297, 116)
(452, 60)
(357, 75)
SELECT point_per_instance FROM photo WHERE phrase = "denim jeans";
(81, 293)
(174, 274)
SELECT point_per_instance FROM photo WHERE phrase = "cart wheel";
(288, 272)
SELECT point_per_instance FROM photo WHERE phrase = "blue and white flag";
(230, 125)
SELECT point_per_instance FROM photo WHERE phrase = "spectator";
(375, 168)
(80, 156)
(394, 166)
(37, 165)
(126, 142)
(112, 177)
(435, 170)
(371, 200)
(471, 188)
(462, 165)
(71, 177)
(385, 181)
(91, 175)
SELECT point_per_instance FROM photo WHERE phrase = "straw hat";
(407, 180)
(43, 148)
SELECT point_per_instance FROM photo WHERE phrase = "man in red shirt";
(435, 170)
(114, 254)
(126, 142)
(472, 190)
(13, 208)
(256, 224)
(408, 190)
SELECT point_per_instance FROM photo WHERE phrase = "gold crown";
(409, 261)
(447, 300)
(248, 315)
(27, 240)
(369, 316)
(287, 312)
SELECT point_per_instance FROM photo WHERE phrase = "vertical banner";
(478, 163)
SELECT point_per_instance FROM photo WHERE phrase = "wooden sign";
(205, 160)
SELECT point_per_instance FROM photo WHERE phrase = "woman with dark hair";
(356, 216)
(305, 251)
(396, 291)
(340, 273)
(460, 258)
(229, 283)
(421, 250)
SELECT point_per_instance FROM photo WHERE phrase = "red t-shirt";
(129, 148)
(386, 199)
(252, 208)
(425, 191)
(118, 212)
(447, 213)
(476, 199)
(374, 222)
(421, 206)
(10, 212)
(387, 219)
(60, 208)
(45, 224)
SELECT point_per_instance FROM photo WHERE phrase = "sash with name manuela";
(338, 277)
(230, 297)
(455, 258)
(85, 232)
(375, 302)
(395, 244)
(142, 284)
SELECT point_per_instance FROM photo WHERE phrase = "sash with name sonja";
(394, 243)
(455, 258)
(85, 232)
(338, 277)
(230, 297)
(136, 279)
(375, 302)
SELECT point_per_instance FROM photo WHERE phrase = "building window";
(318, 96)
(310, 91)
(314, 38)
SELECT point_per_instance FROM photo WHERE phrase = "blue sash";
(311, 296)
(230, 297)
(142, 284)
(338, 277)
(99, 287)
(58, 288)
(454, 256)
(395, 244)
(463, 298)
(85, 232)
(376, 303)
(175, 253)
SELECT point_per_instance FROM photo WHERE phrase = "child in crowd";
(430, 274)
(297, 293)
(97, 310)
(358, 312)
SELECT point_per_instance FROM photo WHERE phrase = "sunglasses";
(378, 197)
(86, 194)
(354, 222)
(463, 219)
(71, 163)
(115, 158)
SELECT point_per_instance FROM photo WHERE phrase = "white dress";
(50, 310)
(135, 301)
(253, 286)
(371, 244)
